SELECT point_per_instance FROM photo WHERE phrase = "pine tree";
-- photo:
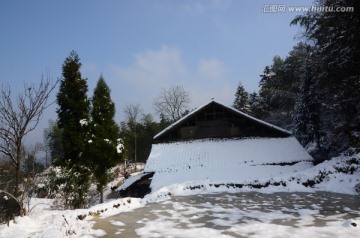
(73, 115)
(276, 82)
(335, 36)
(257, 106)
(268, 85)
(307, 109)
(104, 137)
(241, 101)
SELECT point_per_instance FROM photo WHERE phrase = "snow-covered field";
(341, 174)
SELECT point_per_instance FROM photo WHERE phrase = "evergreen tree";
(73, 116)
(307, 109)
(279, 87)
(241, 101)
(257, 106)
(104, 136)
(276, 88)
(335, 36)
(270, 82)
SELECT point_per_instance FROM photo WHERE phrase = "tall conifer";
(73, 116)
(104, 138)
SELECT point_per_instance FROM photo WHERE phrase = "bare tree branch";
(132, 112)
(20, 115)
(172, 102)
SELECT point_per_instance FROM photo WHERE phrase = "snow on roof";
(230, 108)
(227, 153)
(129, 181)
(225, 160)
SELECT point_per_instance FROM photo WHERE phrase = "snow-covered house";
(216, 144)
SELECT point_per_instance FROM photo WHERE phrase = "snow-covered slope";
(225, 160)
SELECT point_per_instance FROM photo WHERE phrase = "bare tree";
(132, 113)
(19, 116)
(172, 102)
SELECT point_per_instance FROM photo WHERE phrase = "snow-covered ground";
(240, 215)
(341, 174)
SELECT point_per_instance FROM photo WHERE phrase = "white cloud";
(153, 67)
(142, 81)
(211, 69)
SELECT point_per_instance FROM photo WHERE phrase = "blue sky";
(141, 46)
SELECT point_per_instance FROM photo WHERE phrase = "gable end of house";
(215, 120)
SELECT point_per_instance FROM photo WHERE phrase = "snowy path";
(241, 215)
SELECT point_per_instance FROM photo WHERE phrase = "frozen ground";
(241, 215)
(250, 217)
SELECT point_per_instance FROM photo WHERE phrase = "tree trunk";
(101, 194)
(17, 179)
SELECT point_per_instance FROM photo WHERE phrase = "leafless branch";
(132, 112)
(172, 102)
(21, 114)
